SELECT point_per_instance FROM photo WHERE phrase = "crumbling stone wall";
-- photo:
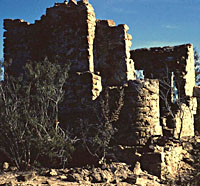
(81, 89)
(71, 31)
(67, 30)
(164, 160)
(161, 62)
(139, 118)
(99, 55)
(112, 53)
(140, 136)
(174, 67)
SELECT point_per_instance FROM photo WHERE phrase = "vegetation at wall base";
(29, 125)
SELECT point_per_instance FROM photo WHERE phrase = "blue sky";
(151, 22)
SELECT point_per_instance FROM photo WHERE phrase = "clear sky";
(151, 22)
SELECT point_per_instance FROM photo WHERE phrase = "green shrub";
(29, 115)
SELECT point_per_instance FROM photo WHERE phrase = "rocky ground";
(119, 174)
(114, 173)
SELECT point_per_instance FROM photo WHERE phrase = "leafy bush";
(29, 124)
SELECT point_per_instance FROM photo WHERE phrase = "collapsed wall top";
(65, 31)
(71, 31)
(163, 62)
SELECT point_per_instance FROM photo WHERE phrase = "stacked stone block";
(71, 32)
(139, 118)
(171, 65)
(189, 72)
(67, 30)
(81, 90)
(84, 85)
(164, 160)
(112, 53)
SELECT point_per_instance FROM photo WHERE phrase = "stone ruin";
(158, 107)
(174, 68)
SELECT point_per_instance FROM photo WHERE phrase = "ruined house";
(162, 104)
